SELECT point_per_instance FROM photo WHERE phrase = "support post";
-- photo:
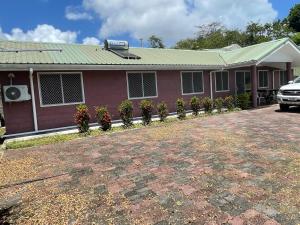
(289, 71)
(254, 85)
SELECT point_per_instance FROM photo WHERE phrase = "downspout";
(211, 85)
(273, 87)
(33, 100)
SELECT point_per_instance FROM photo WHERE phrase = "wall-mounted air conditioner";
(16, 93)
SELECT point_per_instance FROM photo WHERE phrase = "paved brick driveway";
(238, 168)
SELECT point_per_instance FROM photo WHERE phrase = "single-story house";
(42, 82)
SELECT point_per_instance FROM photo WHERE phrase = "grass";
(2, 131)
(67, 137)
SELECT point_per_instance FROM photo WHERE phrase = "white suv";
(289, 95)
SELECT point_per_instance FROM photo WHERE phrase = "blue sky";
(91, 18)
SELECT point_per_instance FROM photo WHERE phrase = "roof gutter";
(55, 67)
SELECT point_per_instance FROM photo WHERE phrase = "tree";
(216, 36)
(296, 38)
(294, 18)
(155, 42)
(212, 36)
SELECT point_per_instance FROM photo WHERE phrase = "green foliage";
(103, 117)
(294, 18)
(82, 118)
(162, 110)
(195, 104)
(146, 107)
(243, 100)
(229, 103)
(296, 38)
(219, 104)
(41, 141)
(155, 42)
(126, 112)
(180, 108)
(208, 104)
(216, 36)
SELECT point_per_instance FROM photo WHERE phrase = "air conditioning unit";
(16, 93)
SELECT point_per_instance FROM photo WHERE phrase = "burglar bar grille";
(60, 88)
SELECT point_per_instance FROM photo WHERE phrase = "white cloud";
(42, 33)
(77, 13)
(91, 41)
(174, 19)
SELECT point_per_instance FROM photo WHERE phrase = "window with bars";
(141, 85)
(60, 88)
(283, 78)
(192, 82)
(263, 79)
(222, 81)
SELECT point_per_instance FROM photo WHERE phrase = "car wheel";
(284, 107)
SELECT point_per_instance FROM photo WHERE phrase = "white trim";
(141, 72)
(242, 71)
(222, 81)
(266, 87)
(60, 104)
(193, 93)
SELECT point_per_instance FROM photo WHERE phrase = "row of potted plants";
(82, 116)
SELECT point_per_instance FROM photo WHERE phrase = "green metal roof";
(78, 54)
(253, 52)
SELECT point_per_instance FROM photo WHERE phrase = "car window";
(297, 81)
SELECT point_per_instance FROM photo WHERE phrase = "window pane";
(247, 80)
(239, 79)
(50, 86)
(149, 84)
(219, 81)
(283, 78)
(135, 85)
(72, 88)
(187, 85)
(266, 80)
(225, 81)
(261, 78)
(197, 81)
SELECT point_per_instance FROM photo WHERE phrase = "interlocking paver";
(236, 168)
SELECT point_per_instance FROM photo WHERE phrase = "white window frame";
(222, 81)
(60, 104)
(244, 71)
(267, 77)
(279, 71)
(193, 93)
(141, 72)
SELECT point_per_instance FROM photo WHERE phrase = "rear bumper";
(288, 100)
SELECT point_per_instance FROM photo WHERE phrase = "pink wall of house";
(107, 88)
(18, 116)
